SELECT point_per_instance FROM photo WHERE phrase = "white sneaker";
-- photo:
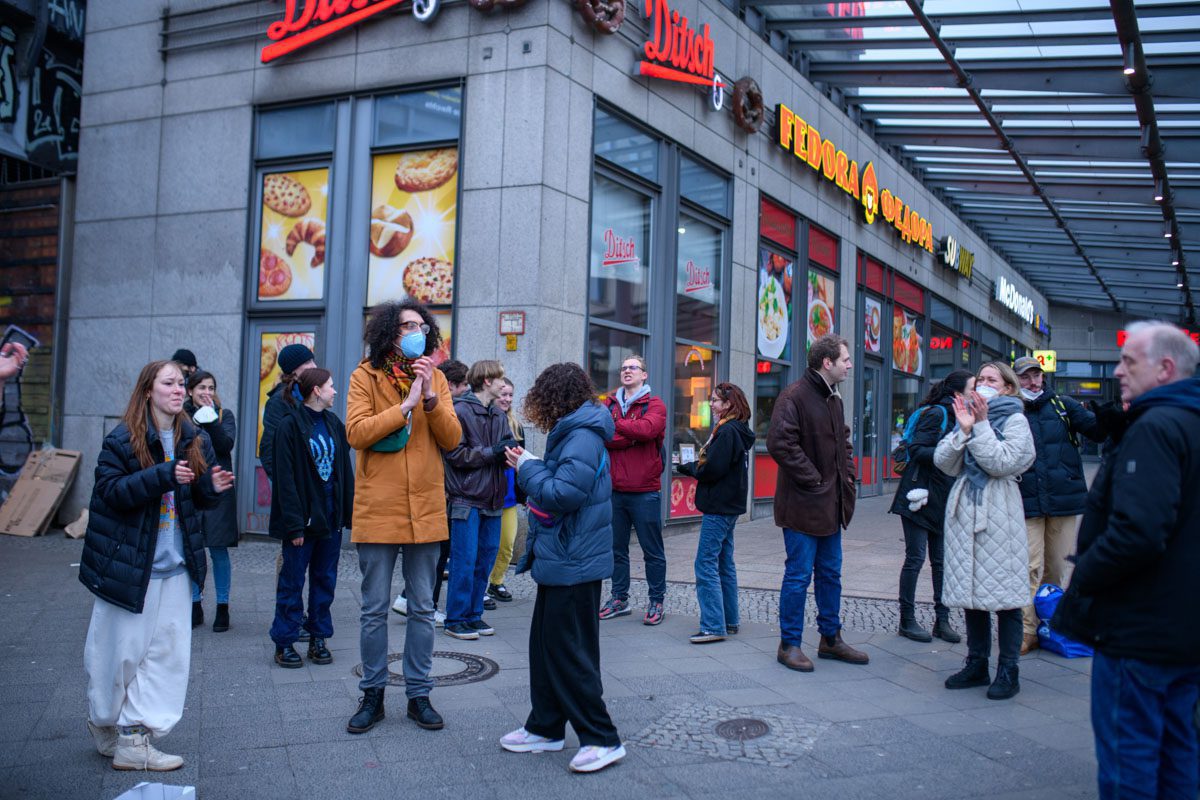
(439, 619)
(592, 758)
(135, 752)
(522, 741)
(105, 738)
(401, 605)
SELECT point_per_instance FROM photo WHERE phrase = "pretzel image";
(605, 16)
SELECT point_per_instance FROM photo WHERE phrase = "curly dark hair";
(383, 328)
(558, 391)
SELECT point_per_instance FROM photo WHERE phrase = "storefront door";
(870, 461)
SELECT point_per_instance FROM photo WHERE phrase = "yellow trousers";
(508, 537)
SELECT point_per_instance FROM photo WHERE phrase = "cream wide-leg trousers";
(138, 664)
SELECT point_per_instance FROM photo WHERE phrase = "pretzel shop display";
(605, 16)
(748, 110)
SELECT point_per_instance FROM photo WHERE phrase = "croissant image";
(309, 231)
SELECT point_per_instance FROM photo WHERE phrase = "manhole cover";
(742, 729)
(473, 668)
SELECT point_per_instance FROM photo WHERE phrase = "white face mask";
(1030, 395)
(987, 392)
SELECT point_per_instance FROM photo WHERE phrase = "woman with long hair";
(569, 550)
(143, 548)
(923, 516)
(987, 555)
(312, 501)
(512, 498)
(203, 405)
(721, 470)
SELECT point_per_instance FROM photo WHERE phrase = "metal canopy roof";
(1052, 127)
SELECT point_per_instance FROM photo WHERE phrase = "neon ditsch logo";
(297, 30)
(673, 42)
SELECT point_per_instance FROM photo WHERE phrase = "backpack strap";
(1061, 408)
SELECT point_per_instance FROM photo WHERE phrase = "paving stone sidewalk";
(699, 721)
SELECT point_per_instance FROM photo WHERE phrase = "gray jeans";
(377, 563)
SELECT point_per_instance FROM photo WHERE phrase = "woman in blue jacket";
(569, 549)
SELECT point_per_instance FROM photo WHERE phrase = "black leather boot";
(1006, 684)
(318, 653)
(197, 614)
(370, 711)
(221, 620)
(973, 673)
(420, 711)
(942, 630)
(909, 628)
(288, 658)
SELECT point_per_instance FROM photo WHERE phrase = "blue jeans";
(222, 572)
(716, 576)
(1143, 720)
(808, 557)
(319, 559)
(474, 542)
(643, 512)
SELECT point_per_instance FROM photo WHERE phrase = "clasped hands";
(422, 385)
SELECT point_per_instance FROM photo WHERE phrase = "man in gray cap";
(1053, 489)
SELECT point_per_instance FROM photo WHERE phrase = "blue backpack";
(900, 454)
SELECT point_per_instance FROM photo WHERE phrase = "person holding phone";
(143, 548)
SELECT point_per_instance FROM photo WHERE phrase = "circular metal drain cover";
(474, 669)
(742, 729)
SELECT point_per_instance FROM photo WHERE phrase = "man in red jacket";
(814, 500)
(636, 454)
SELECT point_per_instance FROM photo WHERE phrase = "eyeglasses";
(413, 327)
(631, 368)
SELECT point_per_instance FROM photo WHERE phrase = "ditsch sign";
(308, 21)
(795, 135)
(675, 50)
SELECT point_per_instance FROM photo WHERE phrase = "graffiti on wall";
(40, 102)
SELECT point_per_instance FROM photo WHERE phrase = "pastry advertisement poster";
(295, 209)
(775, 277)
(268, 366)
(822, 299)
(906, 341)
(414, 210)
(872, 325)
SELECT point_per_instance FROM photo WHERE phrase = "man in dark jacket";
(1053, 489)
(293, 360)
(814, 500)
(637, 465)
(475, 486)
(1134, 593)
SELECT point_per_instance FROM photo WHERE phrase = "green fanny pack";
(394, 442)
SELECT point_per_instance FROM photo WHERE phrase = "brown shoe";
(1029, 643)
(834, 647)
(793, 657)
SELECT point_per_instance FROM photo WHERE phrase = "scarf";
(999, 410)
(400, 372)
(703, 455)
(627, 402)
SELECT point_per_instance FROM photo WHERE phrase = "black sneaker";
(481, 627)
(370, 711)
(488, 603)
(288, 658)
(318, 653)
(461, 630)
(731, 630)
(973, 673)
(1006, 684)
(197, 614)
(499, 592)
(420, 711)
(700, 637)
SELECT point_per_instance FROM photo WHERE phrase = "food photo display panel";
(822, 299)
(775, 279)
(295, 213)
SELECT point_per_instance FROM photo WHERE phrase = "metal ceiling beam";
(925, 98)
(1063, 145)
(1185, 197)
(972, 18)
(1014, 40)
(1173, 75)
(1063, 116)
(964, 79)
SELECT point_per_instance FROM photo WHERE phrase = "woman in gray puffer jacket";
(987, 553)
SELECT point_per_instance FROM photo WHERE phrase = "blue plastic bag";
(1045, 602)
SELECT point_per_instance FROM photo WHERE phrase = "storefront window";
(697, 280)
(872, 326)
(776, 279)
(619, 281)
(905, 397)
(297, 131)
(703, 187)
(692, 422)
(415, 117)
(941, 352)
(624, 145)
(292, 239)
(822, 300)
(941, 312)
(607, 348)
(768, 384)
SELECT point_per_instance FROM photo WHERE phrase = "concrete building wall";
(164, 190)
(1083, 335)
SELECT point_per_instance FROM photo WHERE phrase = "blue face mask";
(412, 345)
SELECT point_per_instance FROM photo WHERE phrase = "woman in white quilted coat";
(987, 555)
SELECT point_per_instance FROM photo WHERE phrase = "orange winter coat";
(399, 498)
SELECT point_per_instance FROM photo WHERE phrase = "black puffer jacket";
(118, 549)
(932, 425)
(723, 479)
(475, 469)
(298, 505)
(221, 522)
(1134, 592)
(1054, 486)
(273, 411)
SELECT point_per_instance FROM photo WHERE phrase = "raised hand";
(183, 474)
(12, 359)
(963, 415)
(222, 479)
(423, 366)
(414, 394)
(979, 406)
(511, 455)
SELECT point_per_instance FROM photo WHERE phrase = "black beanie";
(293, 356)
(185, 357)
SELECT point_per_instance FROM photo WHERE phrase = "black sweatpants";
(564, 666)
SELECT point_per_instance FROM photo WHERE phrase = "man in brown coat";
(814, 500)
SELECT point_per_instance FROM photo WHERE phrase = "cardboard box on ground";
(37, 494)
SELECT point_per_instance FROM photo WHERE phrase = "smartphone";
(20, 336)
